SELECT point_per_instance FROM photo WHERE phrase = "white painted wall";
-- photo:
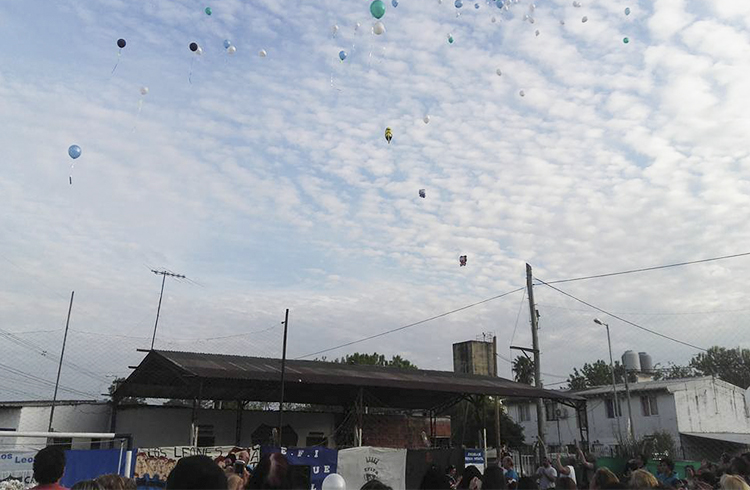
(712, 406)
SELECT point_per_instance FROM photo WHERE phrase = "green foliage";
(654, 446)
(598, 373)
(523, 370)
(467, 422)
(375, 359)
(675, 371)
(730, 365)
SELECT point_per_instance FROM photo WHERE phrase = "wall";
(475, 357)
(712, 406)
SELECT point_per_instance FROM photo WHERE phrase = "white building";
(705, 416)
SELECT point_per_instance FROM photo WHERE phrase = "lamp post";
(614, 385)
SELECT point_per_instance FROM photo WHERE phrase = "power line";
(347, 344)
(654, 332)
(646, 269)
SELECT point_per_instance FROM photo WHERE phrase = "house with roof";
(705, 416)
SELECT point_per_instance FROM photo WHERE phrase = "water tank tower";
(647, 363)
(631, 361)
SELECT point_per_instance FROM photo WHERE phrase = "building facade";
(704, 416)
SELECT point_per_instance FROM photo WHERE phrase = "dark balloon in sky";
(121, 43)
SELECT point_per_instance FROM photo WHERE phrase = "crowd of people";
(274, 472)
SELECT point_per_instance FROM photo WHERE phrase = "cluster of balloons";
(462, 260)
(229, 47)
(422, 193)
(377, 9)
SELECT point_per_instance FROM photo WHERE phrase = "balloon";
(476, 6)
(231, 50)
(426, 119)
(357, 26)
(342, 55)
(493, 19)
(208, 11)
(532, 7)
(422, 193)
(378, 28)
(144, 90)
(525, 16)
(584, 19)
(199, 51)
(462, 260)
(499, 73)
(388, 135)
(227, 43)
(536, 32)
(450, 39)
(334, 481)
(194, 47)
(562, 22)
(522, 93)
(531, 20)
(74, 151)
(334, 30)
(121, 43)
(627, 10)
(625, 40)
(577, 4)
(394, 3)
(377, 9)
(458, 4)
(262, 53)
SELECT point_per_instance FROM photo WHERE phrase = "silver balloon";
(262, 53)
(584, 19)
(378, 28)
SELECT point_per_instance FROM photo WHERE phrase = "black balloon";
(121, 43)
(193, 47)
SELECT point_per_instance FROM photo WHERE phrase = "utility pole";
(283, 372)
(498, 445)
(535, 346)
(163, 275)
(631, 432)
(59, 366)
(615, 401)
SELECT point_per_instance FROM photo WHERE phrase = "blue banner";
(474, 456)
(321, 460)
(90, 463)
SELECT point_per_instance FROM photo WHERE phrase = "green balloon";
(377, 9)
(450, 39)
(208, 11)
(625, 40)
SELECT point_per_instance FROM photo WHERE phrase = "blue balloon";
(227, 43)
(342, 55)
(74, 151)
(459, 4)
(394, 3)
(476, 6)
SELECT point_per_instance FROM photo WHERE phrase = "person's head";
(129, 484)
(643, 479)
(666, 466)
(508, 463)
(49, 465)
(434, 479)
(527, 483)
(566, 483)
(568, 460)
(615, 486)
(707, 477)
(111, 482)
(272, 473)
(640, 461)
(87, 485)
(690, 471)
(470, 472)
(450, 470)
(493, 479)
(546, 462)
(235, 482)
(194, 472)
(725, 458)
(375, 484)
(733, 482)
(738, 466)
(603, 477)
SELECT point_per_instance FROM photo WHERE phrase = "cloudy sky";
(267, 180)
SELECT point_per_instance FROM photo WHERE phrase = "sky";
(268, 183)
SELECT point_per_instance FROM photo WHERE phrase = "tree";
(675, 371)
(523, 370)
(466, 422)
(128, 400)
(598, 373)
(375, 359)
(730, 365)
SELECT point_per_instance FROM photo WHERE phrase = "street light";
(614, 386)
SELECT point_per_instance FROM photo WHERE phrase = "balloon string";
(70, 177)
(119, 52)
(190, 75)
(140, 105)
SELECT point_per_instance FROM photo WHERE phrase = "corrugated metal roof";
(733, 437)
(642, 386)
(170, 374)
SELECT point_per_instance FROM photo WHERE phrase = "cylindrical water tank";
(647, 364)
(631, 361)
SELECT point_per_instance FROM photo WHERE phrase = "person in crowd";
(87, 485)
(470, 477)
(705, 480)
(434, 479)
(130, 484)
(49, 467)
(493, 479)
(690, 473)
(527, 483)
(196, 472)
(546, 475)
(643, 479)
(665, 473)
(375, 484)
(733, 482)
(603, 478)
(450, 471)
(565, 483)
(738, 466)
(235, 482)
(272, 473)
(111, 481)
(508, 471)
(586, 468)
(564, 467)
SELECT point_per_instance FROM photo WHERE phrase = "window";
(524, 413)
(550, 410)
(649, 406)
(609, 408)
(206, 436)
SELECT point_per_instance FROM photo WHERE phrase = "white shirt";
(548, 476)
(572, 474)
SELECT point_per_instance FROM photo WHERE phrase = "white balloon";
(334, 481)
(493, 19)
(199, 51)
(357, 26)
(531, 20)
(584, 19)
(378, 28)
(231, 50)
(562, 22)
(499, 73)
(426, 119)
(522, 93)
(537, 32)
(262, 53)
(532, 7)
(144, 90)
(334, 30)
